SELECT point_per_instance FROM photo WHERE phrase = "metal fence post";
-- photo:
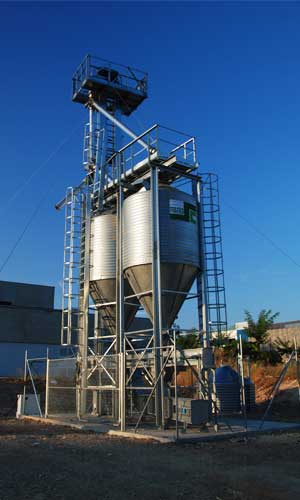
(25, 379)
(47, 387)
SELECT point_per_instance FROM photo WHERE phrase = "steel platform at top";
(170, 170)
(172, 152)
(106, 80)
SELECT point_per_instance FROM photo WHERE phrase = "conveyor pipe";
(118, 123)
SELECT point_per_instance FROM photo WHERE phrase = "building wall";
(26, 295)
(286, 334)
(286, 331)
(12, 357)
(29, 325)
(29, 322)
(12, 353)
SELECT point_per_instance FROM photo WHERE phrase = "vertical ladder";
(213, 254)
(110, 142)
(104, 146)
(95, 156)
(72, 273)
(86, 160)
(91, 144)
(110, 139)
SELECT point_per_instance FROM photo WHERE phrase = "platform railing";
(163, 143)
(118, 74)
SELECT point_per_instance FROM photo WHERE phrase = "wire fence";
(61, 386)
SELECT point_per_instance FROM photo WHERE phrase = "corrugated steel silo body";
(103, 270)
(179, 248)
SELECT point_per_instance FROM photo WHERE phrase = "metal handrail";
(90, 65)
(164, 147)
(131, 143)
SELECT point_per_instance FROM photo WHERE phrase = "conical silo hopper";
(179, 248)
(103, 272)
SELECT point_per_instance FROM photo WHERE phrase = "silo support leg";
(156, 292)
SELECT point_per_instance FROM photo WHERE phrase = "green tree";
(258, 330)
(258, 336)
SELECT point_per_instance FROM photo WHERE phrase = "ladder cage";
(213, 255)
(74, 265)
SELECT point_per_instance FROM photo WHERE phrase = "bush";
(190, 341)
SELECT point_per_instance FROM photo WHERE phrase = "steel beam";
(120, 313)
(156, 287)
(84, 304)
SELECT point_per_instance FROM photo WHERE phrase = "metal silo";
(125, 245)
(179, 248)
(103, 271)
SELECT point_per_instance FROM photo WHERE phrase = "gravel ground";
(40, 461)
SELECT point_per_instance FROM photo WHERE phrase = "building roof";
(286, 324)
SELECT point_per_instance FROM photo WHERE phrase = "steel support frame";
(156, 338)
(86, 359)
(120, 304)
(156, 299)
(84, 306)
(158, 349)
(159, 377)
(157, 383)
(125, 372)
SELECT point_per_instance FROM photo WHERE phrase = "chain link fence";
(61, 387)
(102, 384)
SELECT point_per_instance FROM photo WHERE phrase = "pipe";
(119, 124)
(62, 202)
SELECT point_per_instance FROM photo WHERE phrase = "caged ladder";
(74, 267)
(213, 255)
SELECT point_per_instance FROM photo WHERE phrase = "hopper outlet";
(176, 281)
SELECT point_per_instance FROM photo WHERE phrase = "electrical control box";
(28, 405)
(192, 411)
(207, 358)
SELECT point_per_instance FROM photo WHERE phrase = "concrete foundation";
(232, 428)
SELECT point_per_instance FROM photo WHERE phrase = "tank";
(103, 271)
(179, 247)
(227, 390)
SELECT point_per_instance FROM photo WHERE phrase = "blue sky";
(226, 72)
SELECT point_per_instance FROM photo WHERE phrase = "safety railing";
(105, 71)
(163, 143)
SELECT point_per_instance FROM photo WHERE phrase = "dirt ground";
(43, 461)
(39, 461)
